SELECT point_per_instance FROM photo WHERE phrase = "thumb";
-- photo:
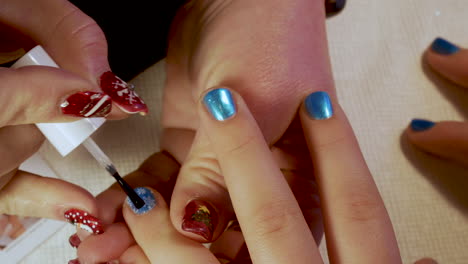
(35, 196)
(448, 59)
(447, 139)
(37, 94)
(200, 204)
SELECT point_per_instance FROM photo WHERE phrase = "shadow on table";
(448, 178)
(449, 90)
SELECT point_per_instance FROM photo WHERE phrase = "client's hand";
(357, 225)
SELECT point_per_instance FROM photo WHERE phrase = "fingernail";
(87, 104)
(74, 241)
(318, 105)
(84, 221)
(333, 7)
(148, 198)
(421, 124)
(444, 47)
(220, 104)
(74, 261)
(122, 94)
(200, 218)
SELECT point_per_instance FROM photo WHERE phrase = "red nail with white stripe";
(87, 104)
(84, 220)
(122, 94)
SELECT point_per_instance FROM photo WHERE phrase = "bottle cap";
(65, 137)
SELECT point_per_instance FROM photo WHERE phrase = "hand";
(357, 225)
(273, 53)
(43, 94)
(446, 139)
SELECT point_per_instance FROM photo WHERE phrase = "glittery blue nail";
(318, 105)
(220, 104)
(444, 47)
(147, 196)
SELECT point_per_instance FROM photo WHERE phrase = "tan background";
(376, 51)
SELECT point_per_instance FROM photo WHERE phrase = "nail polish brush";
(65, 137)
(105, 162)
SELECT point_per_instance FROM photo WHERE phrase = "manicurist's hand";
(82, 87)
(357, 225)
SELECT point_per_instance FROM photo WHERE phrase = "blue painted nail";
(318, 105)
(220, 104)
(147, 196)
(421, 124)
(444, 47)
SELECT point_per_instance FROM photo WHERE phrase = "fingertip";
(105, 247)
(426, 261)
(448, 59)
(116, 113)
(147, 195)
(420, 125)
(446, 139)
(442, 46)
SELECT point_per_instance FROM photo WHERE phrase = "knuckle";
(80, 28)
(205, 170)
(238, 148)
(275, 220)
(13, 109)
(363, 207)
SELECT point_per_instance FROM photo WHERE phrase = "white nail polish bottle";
(65, 137)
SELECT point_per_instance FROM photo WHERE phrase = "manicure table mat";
(376, 49)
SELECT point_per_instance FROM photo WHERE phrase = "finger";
(228, 246)
(200, 203)
(71, 37)
(32, 195)
(159, 170)
(447, 139)
(134, 255)
(449, 60)
(274, 228)
(106, 247)
(357, 226)
(426, 261)
(152, 229)
(43, 94)
(27, 141)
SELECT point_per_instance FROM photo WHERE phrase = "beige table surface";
(376, 51)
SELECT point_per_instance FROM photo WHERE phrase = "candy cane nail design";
(84, 221)
(87, 104)
(122, 94)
